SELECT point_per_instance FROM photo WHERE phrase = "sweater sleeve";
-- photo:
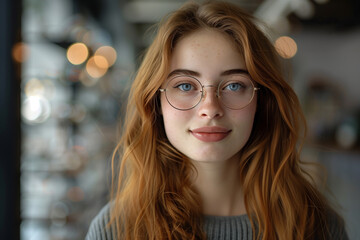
(99, 229)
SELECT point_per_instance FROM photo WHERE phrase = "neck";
(219, 187)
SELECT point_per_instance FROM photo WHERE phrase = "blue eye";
(234, 86)
(185, 87)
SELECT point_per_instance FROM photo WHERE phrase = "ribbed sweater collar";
(228, 227)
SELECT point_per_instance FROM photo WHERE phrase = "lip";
(210, 134)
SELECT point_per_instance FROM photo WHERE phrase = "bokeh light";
(101, 61)
(34, 87)
(20, 52)
(286, 47)
(77, 53)
(96, 66)
(109, 53)
(36, 109)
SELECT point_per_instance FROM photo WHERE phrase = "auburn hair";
(152, 190)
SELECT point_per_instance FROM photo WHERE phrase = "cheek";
(166, 110)
(243, 120)
(173, 119)
(176, 125)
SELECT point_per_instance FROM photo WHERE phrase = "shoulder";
(336, 226)
(99, 228)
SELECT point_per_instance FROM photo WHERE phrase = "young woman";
(209, 148)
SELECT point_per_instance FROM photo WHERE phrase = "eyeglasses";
(185, 92)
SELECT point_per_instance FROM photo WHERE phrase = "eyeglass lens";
(185, 92)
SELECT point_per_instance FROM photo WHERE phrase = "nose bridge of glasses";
(204, 93)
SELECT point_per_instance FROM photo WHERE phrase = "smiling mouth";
(210, 134)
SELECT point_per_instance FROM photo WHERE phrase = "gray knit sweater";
(232, 228)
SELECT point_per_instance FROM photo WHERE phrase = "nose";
(209, 106)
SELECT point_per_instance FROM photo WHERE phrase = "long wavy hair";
(152, 191)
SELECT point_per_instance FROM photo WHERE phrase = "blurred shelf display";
(75, 78)
(331, 123)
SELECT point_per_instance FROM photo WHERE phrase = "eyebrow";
(234, 71)
(183, 72)
(197, 74)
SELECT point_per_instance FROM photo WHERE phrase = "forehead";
(207, 51)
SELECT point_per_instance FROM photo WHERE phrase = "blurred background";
(66, 67)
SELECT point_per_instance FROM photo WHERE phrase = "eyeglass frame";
(163, 90)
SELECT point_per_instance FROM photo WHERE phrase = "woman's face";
(209, 132)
